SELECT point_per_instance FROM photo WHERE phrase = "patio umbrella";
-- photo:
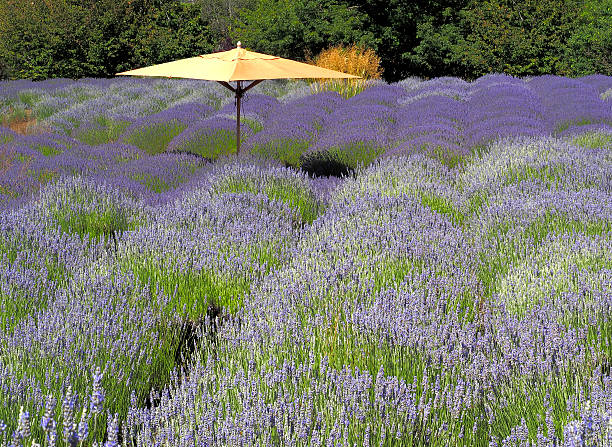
(237, 65)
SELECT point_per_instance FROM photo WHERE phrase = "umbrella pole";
(239, 91)
(238, 96)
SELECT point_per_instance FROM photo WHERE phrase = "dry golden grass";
(353, 60)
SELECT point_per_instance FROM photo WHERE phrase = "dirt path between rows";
(24, 126)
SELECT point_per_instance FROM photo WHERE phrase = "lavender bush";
(293, 127)
(209, 138)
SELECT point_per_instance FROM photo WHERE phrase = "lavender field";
(427, 263)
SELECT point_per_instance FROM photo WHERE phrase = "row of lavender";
(445, 113)
(445, 117)
(115, 125)
(426, 305)
(99, 289)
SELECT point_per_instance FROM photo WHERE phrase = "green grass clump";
(154, 138)
(443, 206)
(43, 111)
(444, 155)
(209, 146)
(95, 211)
(296, 195)
(578, 122)
(29, 97)
(47, 150)
(551, 176)
(5, 137)
(152, 182)
(593, 140)
(391, 272)
(511, 251)
(253, 124)
(358, 154)
(105, 130)
(287, 151)
(95, 224)
(16, 113)
(192, 292)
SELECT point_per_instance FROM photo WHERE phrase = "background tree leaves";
(41, 39)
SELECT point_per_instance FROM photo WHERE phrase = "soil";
(26, 126)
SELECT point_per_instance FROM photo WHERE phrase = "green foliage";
(7, 138)
(589, 48)
(39, 40)
(299, 198)
(105, 131)
(444, 206)
(435, 51)
(467, 38)
(153, 139)
(152, 182)
(192, 291)
(253, 124)
(414, 38)
(298, 29)
(593, 140)
(95, 38)
(220, 16)
(578, 122)
(47, 151)
(492, 269)
(357, 154)
(160, 31)
(521, 38)
(4, 70)
(94, 224)
(284, 149)
(210, 146)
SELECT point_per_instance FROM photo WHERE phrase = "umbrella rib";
(251, 85)
(235, 64)
(227, 85)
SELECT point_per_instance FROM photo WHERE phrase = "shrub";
(355, 60)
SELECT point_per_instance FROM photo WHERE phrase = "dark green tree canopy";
(76, 38)
(299, 28)
(96, 38)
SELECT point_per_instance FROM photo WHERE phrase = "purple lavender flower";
(112, 431)
(23, 429)
(97, 394)
(47, 421)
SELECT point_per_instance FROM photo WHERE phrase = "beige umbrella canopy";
(237, 65)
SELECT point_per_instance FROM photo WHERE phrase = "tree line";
(42, 39)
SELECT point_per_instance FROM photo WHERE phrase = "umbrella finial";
(239, 44)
